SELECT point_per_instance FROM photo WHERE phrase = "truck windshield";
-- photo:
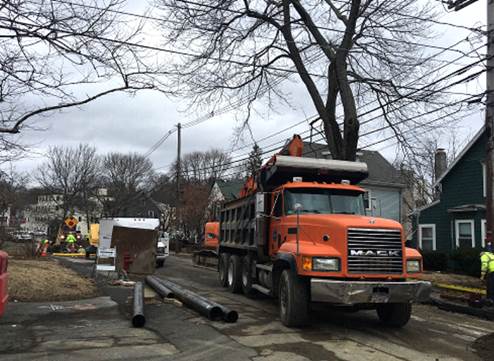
(324, 201)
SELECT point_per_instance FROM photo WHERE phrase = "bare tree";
(352, 56)
(70, 176)
(129, 178)
(418, 166)
(202, 167)
(194, 203)
(52, 53)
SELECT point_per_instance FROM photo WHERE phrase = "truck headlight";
(413, 266)
(325, 264)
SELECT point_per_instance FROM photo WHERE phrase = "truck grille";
(374, 251)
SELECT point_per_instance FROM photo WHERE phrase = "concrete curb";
(487, 313)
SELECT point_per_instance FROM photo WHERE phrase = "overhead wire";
(177, 53)
(459, 71)
(410, 16)
(407, 86)
(162, 20)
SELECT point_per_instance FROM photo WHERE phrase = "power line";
(407, 86)
(438, 22)
(148, 17)
(154, 147)
(269, 151)
(456, 72)
(415, 90)
(406, 131)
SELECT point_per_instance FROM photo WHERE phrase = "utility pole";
(178, 242)
(179, 146)
(489, 114)
(489, 119)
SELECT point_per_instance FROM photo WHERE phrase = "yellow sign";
(71, 222)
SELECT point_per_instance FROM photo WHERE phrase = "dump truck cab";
(300, 233)
(331, 222)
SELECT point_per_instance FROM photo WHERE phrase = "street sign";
(71, 222)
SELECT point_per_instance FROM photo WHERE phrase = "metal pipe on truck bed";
(160, 289)
(138, 319)
(210, 309)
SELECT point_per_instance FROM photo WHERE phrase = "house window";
(465, 237)
(427, 237)
(484, 180)
(483, 231)
(151, 214)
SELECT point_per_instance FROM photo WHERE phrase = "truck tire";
(394, 314)
(293, 296)
(247, 276)
(234, 275)
(223, 269)
(160, 263)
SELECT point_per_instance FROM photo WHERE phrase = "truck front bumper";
(353, 292)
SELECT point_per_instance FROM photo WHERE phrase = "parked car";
(162, 248)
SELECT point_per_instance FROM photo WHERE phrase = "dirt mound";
(46, 280)
(453, 279)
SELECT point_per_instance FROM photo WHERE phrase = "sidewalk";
(90, 329)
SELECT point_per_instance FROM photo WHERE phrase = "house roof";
(467, 208)
(381, 172)
(462, 153)
(230, 189)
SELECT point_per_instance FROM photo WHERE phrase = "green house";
(457, 217)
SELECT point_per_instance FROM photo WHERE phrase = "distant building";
(222, 191)
(49, 207)
(456, 219)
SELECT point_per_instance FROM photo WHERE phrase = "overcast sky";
(126, 124)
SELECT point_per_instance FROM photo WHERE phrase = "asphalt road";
(100, 329)
(431, 334)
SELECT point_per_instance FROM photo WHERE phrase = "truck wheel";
(293, 299)
(223, 269)
(234, 275)
(247, 276)
(160, 263)
(394, 314)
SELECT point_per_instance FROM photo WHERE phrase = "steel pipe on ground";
(138, 319)
(160, 289)
(204, 306)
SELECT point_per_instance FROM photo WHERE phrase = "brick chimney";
(440, 163)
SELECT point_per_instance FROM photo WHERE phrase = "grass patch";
(46, 280)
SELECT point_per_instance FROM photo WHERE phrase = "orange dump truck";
(300, 233)
(207, 255)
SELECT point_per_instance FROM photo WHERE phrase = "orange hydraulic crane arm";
(294, 148)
